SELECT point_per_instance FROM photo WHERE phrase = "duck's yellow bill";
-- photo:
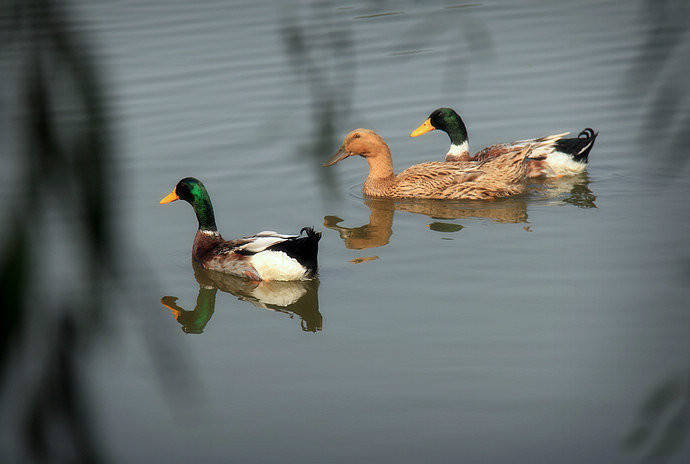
(172, 196)
(423, 129)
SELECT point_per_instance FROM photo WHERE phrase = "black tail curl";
(303, 249)
(311, 233)
(587, 133)
(578, 148)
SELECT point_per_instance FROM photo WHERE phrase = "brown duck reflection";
(380, 227)
(293, 298)
(571, 190)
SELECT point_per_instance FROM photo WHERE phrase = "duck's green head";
(193, 192)
(446, 120)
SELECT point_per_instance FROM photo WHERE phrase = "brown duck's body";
(500, 176)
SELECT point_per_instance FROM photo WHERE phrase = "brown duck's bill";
(339, 155)
(423, 129)
(172, 196)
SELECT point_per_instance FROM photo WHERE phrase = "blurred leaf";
(13, 281)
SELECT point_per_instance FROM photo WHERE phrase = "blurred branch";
(71, 164)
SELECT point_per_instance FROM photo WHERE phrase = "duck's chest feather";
(205, 243)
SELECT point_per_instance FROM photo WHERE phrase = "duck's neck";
(204, 213)
(457, 132)
(459, 152)
(381, 176)
(207, 236)
(380, 163)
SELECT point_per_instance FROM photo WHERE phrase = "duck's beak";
(423, 129)
(172, 196)
(341, 154)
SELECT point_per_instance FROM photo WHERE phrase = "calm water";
(533, 329)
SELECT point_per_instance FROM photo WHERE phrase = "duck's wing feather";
(436, 176)
(303, 247)
(541, 146)
(261, 241)
(253, 244)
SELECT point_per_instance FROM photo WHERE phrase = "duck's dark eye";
(355, 136)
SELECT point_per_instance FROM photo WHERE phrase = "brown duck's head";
(362, 142)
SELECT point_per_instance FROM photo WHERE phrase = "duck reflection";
(298, 298)
(572, 190)
(380, 227)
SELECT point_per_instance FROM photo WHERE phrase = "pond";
(547, 327)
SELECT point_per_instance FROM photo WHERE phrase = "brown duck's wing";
(435, 170)
(491, 188)
(431, 179)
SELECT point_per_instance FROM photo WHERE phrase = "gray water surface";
(532, 329)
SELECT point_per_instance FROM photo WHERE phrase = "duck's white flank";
(564, 165)
(459, 150)
(277, 265)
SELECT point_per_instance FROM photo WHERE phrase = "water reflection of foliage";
(325, 60)
(298, 298)
(659, 79)
(319, 42)
(663, 420)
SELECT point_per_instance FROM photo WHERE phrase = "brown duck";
(497, 177)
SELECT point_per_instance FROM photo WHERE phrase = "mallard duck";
(267, 255)
(500, 176)
(562, 156)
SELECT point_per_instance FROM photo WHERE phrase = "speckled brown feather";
(497, 177)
